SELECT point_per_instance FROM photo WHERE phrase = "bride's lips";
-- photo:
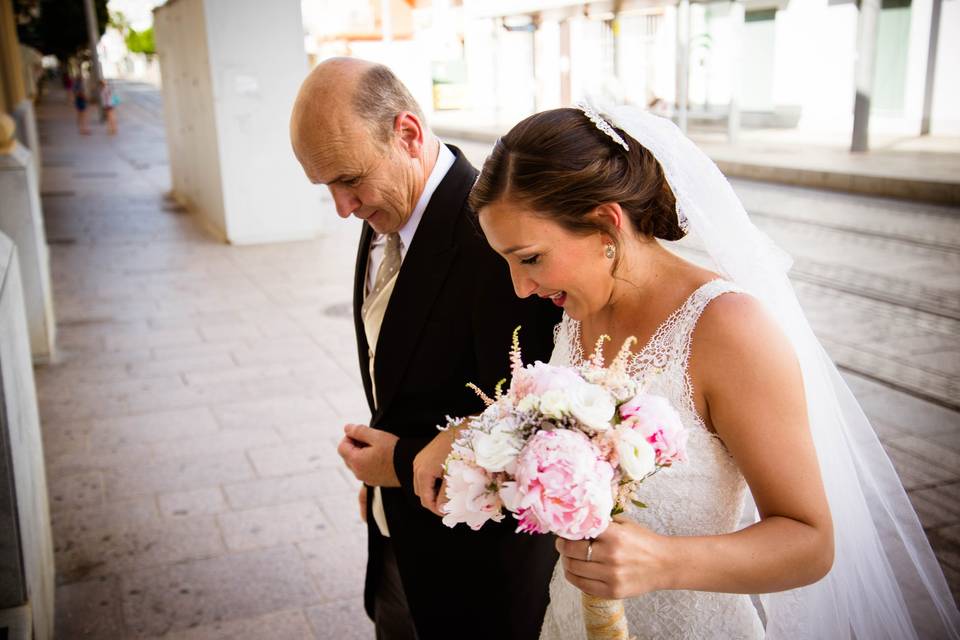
(558, 298)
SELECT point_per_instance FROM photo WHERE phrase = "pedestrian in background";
(108, 101)
(80, 104)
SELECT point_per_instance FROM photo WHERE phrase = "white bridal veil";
(885, 581)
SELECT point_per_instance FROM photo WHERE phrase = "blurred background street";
(203, 361)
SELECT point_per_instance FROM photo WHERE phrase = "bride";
(576, 202)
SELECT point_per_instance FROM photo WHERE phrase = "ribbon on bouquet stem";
(604, 619)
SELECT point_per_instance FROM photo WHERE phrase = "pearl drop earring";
(610, 250)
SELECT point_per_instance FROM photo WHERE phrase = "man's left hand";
(369, 455)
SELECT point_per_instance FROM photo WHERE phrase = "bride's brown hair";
(562, 167)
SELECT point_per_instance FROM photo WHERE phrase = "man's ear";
(409, 131)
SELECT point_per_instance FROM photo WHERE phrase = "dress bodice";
(702, 496)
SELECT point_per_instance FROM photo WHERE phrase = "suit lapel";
(359, 289)
(424, 270)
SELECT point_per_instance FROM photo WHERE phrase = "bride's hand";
(428, 471)
(627, 560)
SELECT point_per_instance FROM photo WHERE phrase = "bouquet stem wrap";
(604, 619)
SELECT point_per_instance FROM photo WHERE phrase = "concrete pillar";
(228, 88)
(683, 61)
(11, 68)
(22, 220)
(868, 24)
(26, 543)
(931, 66)
(737, 16)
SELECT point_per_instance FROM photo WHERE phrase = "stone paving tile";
(180, 504)
(152, 427)
(107, 549)
(273, 525)
(219, 442)
(344, 620)
(216, 590)
(202, 470)
(333, 564)
(293, 488)
(917, 473)
(294, 458)
(273, 412)
(344, 511)
(911, 414)
(283, 625)
(89, 610)
(78, 490)
(937, 506)
(99, 460)
(932, 453)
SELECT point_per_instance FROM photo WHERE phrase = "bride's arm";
(751, 393)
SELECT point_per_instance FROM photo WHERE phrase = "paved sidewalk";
(916, 168)
(190, 423)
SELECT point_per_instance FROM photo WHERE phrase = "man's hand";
(369, 455)
(428, 481)
(363, 502)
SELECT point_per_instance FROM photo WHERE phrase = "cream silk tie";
(372, 311)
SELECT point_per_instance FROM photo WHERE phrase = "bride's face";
(547, 260)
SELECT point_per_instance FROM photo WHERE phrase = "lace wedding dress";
(703, 496)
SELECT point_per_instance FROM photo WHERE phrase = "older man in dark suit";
(434, 308)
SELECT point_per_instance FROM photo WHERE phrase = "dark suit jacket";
(449, 322)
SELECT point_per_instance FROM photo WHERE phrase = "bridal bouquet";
(563, 450)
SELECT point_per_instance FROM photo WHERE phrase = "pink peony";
(539, 377)
(563, 486)
(660, 424)
(471, 495)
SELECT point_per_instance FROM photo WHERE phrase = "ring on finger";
(589, 550)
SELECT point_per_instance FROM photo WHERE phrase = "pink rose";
(471, 496)
(539, 377)
(563, 486)
(660, 424)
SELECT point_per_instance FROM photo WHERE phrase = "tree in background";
(57, 27)
(136, 41)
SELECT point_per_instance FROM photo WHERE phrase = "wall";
(22, 423)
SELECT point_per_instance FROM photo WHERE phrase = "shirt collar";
(445, 160)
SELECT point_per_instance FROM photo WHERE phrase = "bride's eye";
(534, 259)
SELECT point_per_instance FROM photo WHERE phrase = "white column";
(736, 64)
(21, 219)
(931, 67)
(235, 67)
(868, 22)
(683, 61)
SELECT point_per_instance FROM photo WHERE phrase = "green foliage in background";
(141, 41)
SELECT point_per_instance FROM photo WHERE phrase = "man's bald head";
(343, 93)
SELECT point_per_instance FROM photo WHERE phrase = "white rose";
(592, 405)
(637, 456)
(496, 450)
(529, 403)
(553, 404)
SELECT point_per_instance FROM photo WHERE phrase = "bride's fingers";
(589, 586)
(576, 549)
(591, 570)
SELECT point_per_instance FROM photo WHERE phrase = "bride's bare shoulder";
(736, 330)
